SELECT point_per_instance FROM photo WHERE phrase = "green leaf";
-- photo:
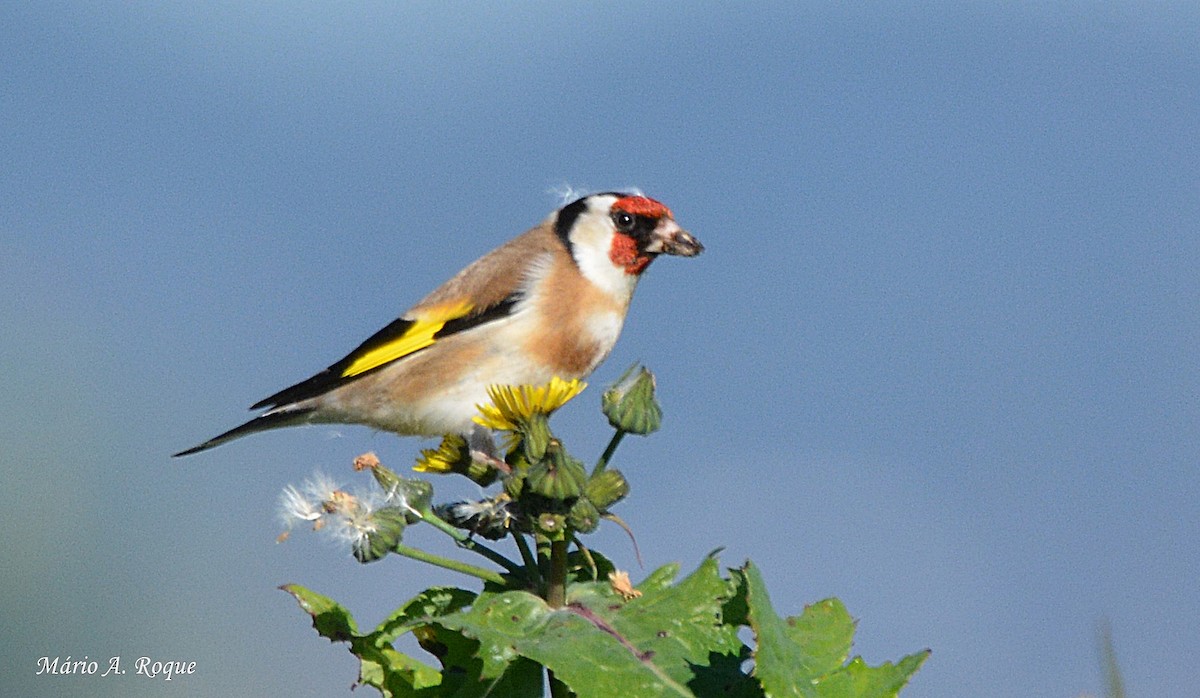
(825, 630)
(676, 639)
(659, 579)
(579, 567)
(600, 645)
(804, 656)
(433, 602)
(396, 675)
(399, 676)
(330, 619)
(735, 611)
(593, 660)
(680, 624)
(463, 670)
(857, 680)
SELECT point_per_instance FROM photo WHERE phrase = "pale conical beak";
(671, 239)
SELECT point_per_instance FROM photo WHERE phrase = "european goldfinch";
(550, 302)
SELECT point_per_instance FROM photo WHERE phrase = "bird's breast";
(573, 323)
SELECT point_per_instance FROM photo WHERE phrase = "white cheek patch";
(592, 242)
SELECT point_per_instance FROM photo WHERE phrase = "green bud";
(568, 465)
(383, 475)
(416, 495)
(630, 404)
(542, 479)
(606, 488)
(584, 517)
(515, 483)
(552, 482)
(552, 526)
(558, 476)
(389, 525)
(535, 436)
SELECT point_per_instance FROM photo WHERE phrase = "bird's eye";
(624, 221)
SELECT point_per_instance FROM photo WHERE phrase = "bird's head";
(621, 232)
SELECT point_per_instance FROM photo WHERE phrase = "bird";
(550, 302)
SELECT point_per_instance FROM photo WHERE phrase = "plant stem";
(439, 561)
(477, 547)
(556, 597)
(465, 541)
(543, 556)
(531, 564)
(436, 521)
(556, 586)
(608, 452)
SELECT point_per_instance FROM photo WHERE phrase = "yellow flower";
(452, 453)
(514, 405)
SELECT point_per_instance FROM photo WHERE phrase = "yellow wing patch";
(418, 336)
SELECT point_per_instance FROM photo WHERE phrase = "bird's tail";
(270, 420)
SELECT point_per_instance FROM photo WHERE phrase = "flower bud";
(535, 437)
(514, 483)
(385, 531)
(606, 488)
(385, 476)
(552, 525)
(558, 477)
(630, 404)
(412, 496)
(583, 517)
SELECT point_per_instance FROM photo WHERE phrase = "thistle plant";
(551, 611)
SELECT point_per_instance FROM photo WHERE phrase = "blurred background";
(939, 359)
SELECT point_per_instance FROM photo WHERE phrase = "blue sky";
(938, 359)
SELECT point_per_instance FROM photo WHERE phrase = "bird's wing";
(486, 291)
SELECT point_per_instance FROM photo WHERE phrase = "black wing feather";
(333, 377)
